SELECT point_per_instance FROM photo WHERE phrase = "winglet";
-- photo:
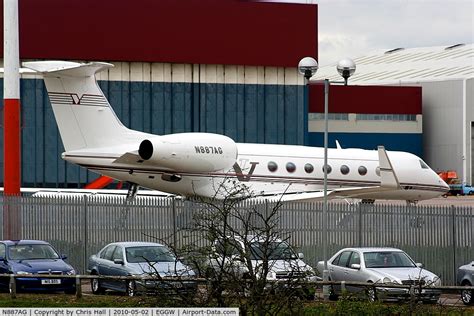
(338, 146)
(388, 178)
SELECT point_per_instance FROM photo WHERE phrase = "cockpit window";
(424, 165)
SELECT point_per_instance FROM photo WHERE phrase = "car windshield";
(387, 259)
(149, 254)
(274, 251)
(32, 252)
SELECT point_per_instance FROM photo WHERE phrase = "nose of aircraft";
(442, 184)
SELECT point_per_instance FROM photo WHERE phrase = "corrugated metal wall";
(248, 104)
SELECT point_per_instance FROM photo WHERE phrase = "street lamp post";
(307, 67)
(346, 68)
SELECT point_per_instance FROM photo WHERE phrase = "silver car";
(465, 277)
(381, 266)
(140, 259)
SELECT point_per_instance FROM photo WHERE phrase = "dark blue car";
(26, 257)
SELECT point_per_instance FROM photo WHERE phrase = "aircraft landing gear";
(132, 191)
(123, 217)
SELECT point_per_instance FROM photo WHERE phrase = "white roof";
(408, 65)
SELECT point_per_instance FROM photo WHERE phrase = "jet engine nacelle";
(190, 152)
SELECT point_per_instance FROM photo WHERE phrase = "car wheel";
(467, 295)
(96, 287)
(131, 288)
(371, 294)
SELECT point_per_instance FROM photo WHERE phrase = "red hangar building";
(218, 66)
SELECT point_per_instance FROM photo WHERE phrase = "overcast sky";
(352, 28)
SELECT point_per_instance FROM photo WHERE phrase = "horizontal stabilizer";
(67, 68)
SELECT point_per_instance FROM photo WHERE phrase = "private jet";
(212, 165)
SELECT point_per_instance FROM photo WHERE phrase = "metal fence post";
(85, 243)
(360, 224)
(12, 286)
(175, 228)
(78, 287)
(453, 219)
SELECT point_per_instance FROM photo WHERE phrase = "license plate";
(50, 281)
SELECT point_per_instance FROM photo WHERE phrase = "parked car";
(286, 268)
(381, 266)
(26, 257)
(140, 259)
(465, 277)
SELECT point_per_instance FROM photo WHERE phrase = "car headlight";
(436, 281)
(271, 276)
(23, 273)
(71, 272)
(386, 280)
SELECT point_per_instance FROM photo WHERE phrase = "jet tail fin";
(84, 116)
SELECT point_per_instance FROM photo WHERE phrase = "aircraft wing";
(388, 182)
(129, 158)
(331, 194)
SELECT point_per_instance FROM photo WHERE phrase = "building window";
(362, 170)
(308, 168)
(344, 169)
(331, 116)
(386, 117)
(329, 169)
(290, 167)
(272, 166)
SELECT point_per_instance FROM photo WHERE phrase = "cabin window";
(290, 167)
(344, 169)
(424, 165)
(308, 168)
(377, 171)
(362, 170)
(329, 169)
(272, 166)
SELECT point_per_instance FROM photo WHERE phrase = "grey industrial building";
(446, 76)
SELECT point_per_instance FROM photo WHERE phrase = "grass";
(341, 307)
(62, 300)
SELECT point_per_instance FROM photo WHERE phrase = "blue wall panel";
(399, 142)
(28, 130)
(246, 113)
(157, 107)
(291, 116)
(231, 110)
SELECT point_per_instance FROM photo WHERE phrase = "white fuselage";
(417, 183)
(213, 165)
